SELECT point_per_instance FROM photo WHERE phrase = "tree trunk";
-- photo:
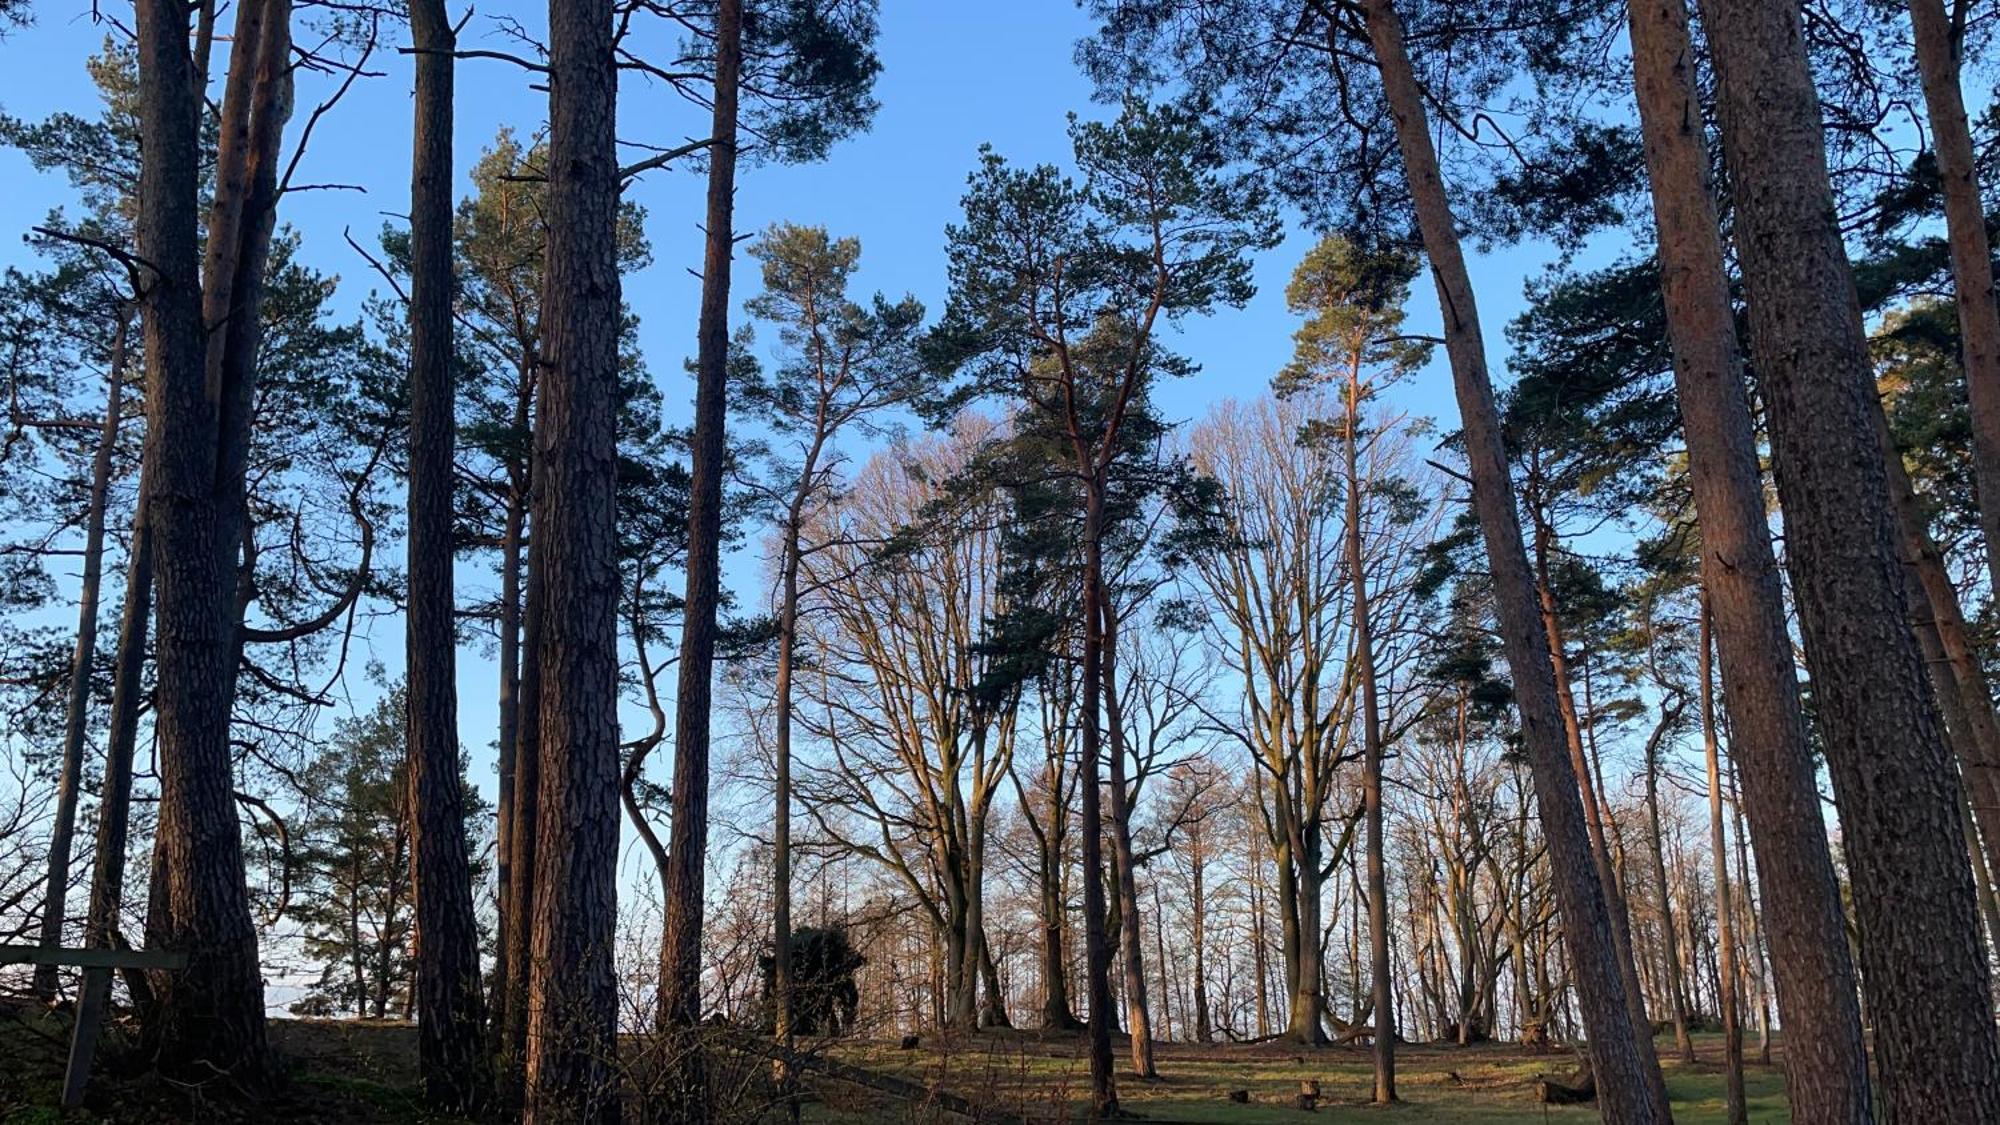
(1963, 695)
(1625, 1089)
(1096, 944)
(1383, 987)
(1204, 1031)
(1056, 1011)
(781, 851)
(509, 629)
(517, 939)
(1718, 846)
(213, 1009)
(1138, 1016)
(76, 715)
(447, 934)
(573, 994)
(1588, 786)
(1670, 941)
(114, 815)
(680, 954)
(1894, 782)
(1939, 40)
(1816, 984)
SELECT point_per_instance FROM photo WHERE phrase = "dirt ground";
(362, 1072)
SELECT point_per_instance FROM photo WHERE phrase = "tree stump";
(1309, 1095)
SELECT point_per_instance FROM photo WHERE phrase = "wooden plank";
(90, 1007)
(149, 959)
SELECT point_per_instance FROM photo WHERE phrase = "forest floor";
(1038, 1079)
(364, 1072)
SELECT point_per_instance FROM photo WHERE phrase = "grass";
(364, 1073)
(1048, 1080)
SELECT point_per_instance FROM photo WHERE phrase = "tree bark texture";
(1814, 975)
(680, 953)
(571, 1073)
(447, 932)
(1894, 782)
(1624, 1087)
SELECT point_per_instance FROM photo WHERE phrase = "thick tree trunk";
(571, 1072)
(680, 953)
(76, 714)
(1894, 781)
(1138, 1014)
(447, 934)
(1815, 978)
(1625, 1090)
(211, 1013)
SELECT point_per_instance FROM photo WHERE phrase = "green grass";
(1047, 1081)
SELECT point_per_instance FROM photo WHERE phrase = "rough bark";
(76, 714)
(447, 933)
(680, 953)
(211, 1015)
(571, 1072)
(1815, 977)
(517, 939)
(1894, 781)
(1623, 1084)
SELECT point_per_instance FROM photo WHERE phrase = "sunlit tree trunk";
(1940, 41)
(1625, 1089)
(1815, 978)
(1894, 782)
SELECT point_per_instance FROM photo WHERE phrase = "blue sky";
(956, 74)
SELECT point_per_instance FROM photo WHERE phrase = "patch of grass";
(1047, 1080)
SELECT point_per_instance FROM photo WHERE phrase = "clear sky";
(956, 74)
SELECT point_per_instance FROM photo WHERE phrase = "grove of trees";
(395, 646)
